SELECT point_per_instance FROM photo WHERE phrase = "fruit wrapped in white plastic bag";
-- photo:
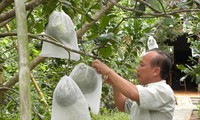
(151, 43)
(69, 102)
(61, 27)
(90, 83)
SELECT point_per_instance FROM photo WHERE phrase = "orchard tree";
(115, 31)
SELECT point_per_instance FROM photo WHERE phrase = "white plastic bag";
(68, 102)
(151, 43)
(90, 83)
(61, 27)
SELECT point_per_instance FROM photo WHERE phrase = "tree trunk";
(24, 65)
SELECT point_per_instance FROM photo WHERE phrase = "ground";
(195, 99)
(194, 116)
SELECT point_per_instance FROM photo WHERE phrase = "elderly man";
(153, 99)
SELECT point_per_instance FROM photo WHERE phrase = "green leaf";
(155, 4)
(132, 70)
(185, 4)
(197, 79)
(106, 52)
(181, 67)
(39, 27)
(136, 26)
(104, 22)
(169, 21)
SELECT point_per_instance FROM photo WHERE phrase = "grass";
(111, 116)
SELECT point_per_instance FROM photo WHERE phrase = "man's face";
(144, 69)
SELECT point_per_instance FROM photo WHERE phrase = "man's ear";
(156, 71)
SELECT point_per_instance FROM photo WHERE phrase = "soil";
(194, 115)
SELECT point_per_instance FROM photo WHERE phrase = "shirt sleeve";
(153, 97)
(127, 105)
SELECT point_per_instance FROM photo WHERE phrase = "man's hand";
(101, 67)
(107, 80)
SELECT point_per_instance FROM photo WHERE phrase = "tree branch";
(11, 13)
(148, 5)
(38, 90)
(47, 38)
(182, 11)
(138, 11)
(4, 4)
(7, 88)
(86, 26)
(158, 14)
(15, 78)
(74, 8)
(6, 21)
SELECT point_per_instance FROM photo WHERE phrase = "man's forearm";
(123, 86)
(119, 99)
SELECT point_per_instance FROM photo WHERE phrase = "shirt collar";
(155, 83)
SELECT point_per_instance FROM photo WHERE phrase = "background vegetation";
(116, 31)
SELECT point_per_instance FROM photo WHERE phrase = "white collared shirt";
(156, 102)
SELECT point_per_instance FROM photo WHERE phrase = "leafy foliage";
(194, 70)
(111, 116)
